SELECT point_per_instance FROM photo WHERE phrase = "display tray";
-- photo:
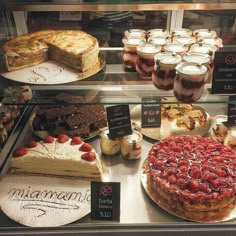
(52, 73)
(231, 214)
(127, 173)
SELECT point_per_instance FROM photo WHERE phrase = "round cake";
(193, 177)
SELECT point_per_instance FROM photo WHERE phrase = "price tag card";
(118, 118)
(105, 201)
(224, 74)
(151, 113)
(231, 112)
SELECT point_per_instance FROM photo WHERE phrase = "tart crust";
(72, 47)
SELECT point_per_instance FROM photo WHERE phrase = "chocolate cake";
(73, 120)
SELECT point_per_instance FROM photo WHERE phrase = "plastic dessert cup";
(135, 33)
(129, 53)
(131, 146)
(204, 33)
(164, 71)
(189, 81)
(145, 61)
(230, 139)
(199, 58)
(183, 32)
(109, 146)
(162, 33)
(176, 48)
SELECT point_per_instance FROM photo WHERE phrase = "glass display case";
(112, 84)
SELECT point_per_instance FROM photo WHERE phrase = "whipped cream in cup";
(189, 82)
(204, 33)
(159, 40)
(129, 53)
(199, 58)
(216, 41)
(145, 62)
(176, 48)
(135, 33)
(206, 49)
(185, 40)
(131, 146)
(109, 146)
(183, 32)
(162, 33)
(218, 131)
(164, 71)
(230, 139)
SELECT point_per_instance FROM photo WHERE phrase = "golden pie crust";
(75, 48)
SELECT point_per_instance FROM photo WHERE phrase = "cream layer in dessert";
(61, 156)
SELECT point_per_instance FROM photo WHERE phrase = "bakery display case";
(147, 112)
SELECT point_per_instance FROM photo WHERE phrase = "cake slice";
(62, 156)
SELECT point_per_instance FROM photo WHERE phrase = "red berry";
(193, 185)
(152, 158)
(181, 183)
(195, 173)
(211, 146)
(187, 147)
(88, 156)
(183, 162)
(215, 184)
(62, 138)
(183, 169)
(172, 179)
(209, 176)
(49, 139)
(21, 151)
(86, 147)
(176, 149)
(32, 144)
(76, 140)
(218, 158)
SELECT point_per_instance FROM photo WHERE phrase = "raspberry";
(21, 151)
(86, 147)
(49, 139)
(187, 147)
(172, 179)
(215, 184)
(181, 183)
(88, 156)
(76, 140)
(218, 158)
(209, 176)
(159, 163)
(211, 146)
(183, 162)
(32, 144)
(183, 169)
(62, 138)
(205, 188)
(193, 185)
(195, 173)
(176, 149)
(152, 158)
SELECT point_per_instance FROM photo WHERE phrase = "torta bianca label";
(40, 201)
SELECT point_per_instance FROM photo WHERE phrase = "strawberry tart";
(193, 177)
(62, 156)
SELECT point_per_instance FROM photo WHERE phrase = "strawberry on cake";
(193, 177)
(62, 156)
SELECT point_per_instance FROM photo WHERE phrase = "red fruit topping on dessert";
(172, 179)
(62, 138)
(21, 151)
(86, 147)
(88, 156)
(32, 144)
(193, 185)
(49, 139)
(76, 140)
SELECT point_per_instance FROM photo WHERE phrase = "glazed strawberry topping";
(85, 147)
(76, 140)
(49, 139)
(21, 151)
(194, 165)
(32, 144)
(62, 138)
(88, 156)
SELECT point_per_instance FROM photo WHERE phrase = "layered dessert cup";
(189, 81)
(182, 32)
(135, 33)
(159, 40)
(185, 40)
(164, 71)
(199, 58)
(206, 49)
(145, 61)
(129, 54)
(216, 41)
(162, 33)
(204, 33)
(174, 47)
(218, 130)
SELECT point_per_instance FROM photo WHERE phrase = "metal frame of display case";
(103, 228)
